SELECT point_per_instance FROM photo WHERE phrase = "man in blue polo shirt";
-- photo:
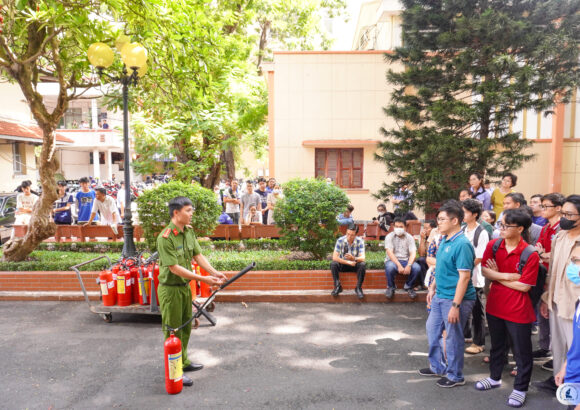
(451, 296)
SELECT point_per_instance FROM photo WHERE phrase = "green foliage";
(221, 260)
(307, 214)
(154, 214)
(469, 68)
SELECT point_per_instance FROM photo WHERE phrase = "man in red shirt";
(509, 307)
(551, 207)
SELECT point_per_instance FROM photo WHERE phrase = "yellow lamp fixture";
(134, 55)
(100, 55)
(141, 70)
(121, 41)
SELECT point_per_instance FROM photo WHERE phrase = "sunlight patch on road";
(317, 364)
(288, 329)
(400, 371)
(424, 354)
(207, 358)
(341, 318)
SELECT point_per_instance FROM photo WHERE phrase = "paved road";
(266, 356)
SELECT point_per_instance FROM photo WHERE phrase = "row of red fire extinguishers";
(129, 282)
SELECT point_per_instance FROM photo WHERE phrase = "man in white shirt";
(121, 199)
(108, 209)
(479, 238)
(232, 199)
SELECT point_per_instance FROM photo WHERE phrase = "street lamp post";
(134, 56)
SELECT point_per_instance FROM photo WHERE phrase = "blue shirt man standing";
(451, 296)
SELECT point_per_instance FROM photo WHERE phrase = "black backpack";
(475, 234)
(536, 291)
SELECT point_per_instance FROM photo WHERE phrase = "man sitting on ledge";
(401, 252)
(349, 256)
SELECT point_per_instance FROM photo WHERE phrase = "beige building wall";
(13, 104)
(336, 99)
(329, 100)
(10, 180)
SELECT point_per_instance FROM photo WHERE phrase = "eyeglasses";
(442, 219)
(568, 215)
(547, 206)
(503, 226)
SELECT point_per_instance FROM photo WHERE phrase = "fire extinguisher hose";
(210, 299)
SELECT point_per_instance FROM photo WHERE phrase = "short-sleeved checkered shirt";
(357, 249)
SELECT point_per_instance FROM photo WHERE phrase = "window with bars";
(18, 158)
(343, 166)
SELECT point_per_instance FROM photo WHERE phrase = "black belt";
(180, 284)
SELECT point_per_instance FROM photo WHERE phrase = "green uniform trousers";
(175, 305)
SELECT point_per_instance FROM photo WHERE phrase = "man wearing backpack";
(479, 238)
(513, 267)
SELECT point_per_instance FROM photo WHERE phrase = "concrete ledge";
(48, 296)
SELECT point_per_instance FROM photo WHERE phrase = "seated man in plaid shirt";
(349, 256)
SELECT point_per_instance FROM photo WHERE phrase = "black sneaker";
(547, 385)
(445, 382)
(390, 293)
(412, 293)
(427, 372)
(541, 354)
(549, 366)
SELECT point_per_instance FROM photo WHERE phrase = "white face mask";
(399, 231)
(276, 191)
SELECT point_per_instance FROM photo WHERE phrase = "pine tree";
(469, 69)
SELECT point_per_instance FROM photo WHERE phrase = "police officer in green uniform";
(177, 246)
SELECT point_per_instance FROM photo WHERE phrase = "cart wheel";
(107, 317)
(196, 323)
(210, 307)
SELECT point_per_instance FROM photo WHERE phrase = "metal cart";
(106, 312)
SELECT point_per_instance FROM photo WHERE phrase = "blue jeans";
(454, 342)
(391, 271)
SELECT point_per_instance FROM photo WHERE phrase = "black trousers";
(422, 261)
(521, 336)
(360, 270)
(475, 326)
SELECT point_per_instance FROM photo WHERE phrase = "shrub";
(307, 214)
(154, 214)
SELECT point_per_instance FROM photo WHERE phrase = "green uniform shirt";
(176, 248)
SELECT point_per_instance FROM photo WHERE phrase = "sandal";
(485, 384)
(514, 371)
(474, 349)
(516, 399)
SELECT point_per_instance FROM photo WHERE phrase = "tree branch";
(41, 47)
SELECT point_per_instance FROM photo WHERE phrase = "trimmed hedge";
(221, 260)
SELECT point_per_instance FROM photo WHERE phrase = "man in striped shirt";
(349, 256)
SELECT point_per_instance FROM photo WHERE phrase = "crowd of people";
(492, 266)
(92, 204)
(252, 205)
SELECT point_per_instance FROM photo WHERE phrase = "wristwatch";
(455, 305)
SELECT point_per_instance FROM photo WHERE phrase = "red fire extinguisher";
(108, 288)
(135, 283)
(173, 364)
(155, 276)
(205, 288)
(124, 287)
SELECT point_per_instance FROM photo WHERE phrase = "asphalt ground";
(59, 355)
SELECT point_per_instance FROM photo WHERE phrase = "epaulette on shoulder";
(166, 233)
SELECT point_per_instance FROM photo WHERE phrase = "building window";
(19, 158)
(343, 166)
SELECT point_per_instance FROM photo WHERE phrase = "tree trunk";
(41, 225)
(262, 45)
(215, 174)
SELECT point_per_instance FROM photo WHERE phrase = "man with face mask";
(401, 251)
(559, 300)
